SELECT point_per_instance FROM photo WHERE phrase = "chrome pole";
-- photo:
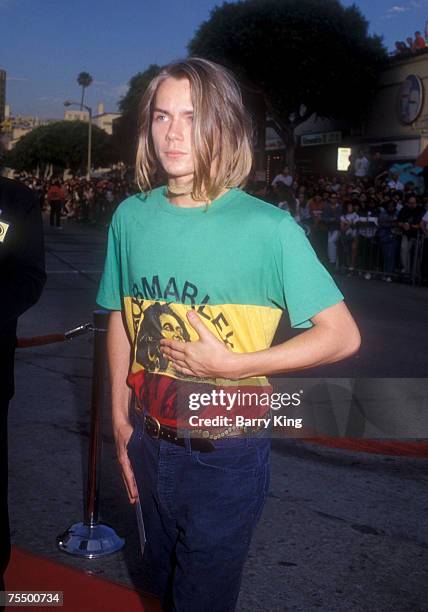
(92, 539)
(97, 399)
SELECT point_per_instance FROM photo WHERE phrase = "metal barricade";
(370, 259)
(418, 260)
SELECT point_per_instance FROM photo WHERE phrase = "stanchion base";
(90, 542)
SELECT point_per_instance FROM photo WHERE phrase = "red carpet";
(413, 448)
(82, 592)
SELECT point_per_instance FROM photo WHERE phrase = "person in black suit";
(22, 277)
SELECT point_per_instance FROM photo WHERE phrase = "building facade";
(76, 115)
(105, 121)
(397, 125)
(102, 119)
(15, 127)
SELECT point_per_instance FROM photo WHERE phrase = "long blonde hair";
(221, 135)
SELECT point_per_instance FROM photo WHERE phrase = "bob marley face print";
(159, 321)
(171, 326)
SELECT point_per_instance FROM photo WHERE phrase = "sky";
(44, 44)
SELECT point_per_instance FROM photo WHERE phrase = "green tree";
(303, 56)
(84, 79)
(126, 127)
(63, 144)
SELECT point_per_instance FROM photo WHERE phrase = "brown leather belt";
(170, 434)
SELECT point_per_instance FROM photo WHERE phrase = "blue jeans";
(200, 510)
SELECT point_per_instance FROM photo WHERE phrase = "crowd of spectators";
(411, 45)
(78, 199)
(363, 222)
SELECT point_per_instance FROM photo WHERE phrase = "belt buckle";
(158, 425)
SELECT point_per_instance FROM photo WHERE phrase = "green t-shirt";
(238, 263)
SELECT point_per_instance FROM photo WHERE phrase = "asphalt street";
(340, 530)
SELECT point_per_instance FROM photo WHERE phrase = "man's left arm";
(333, 336)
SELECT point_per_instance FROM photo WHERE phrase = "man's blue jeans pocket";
(245, 457)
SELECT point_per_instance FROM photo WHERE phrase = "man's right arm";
(118, 348)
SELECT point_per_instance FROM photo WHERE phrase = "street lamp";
(89, 109)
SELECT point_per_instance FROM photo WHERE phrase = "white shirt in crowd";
(397, 185)
(282, 178)
(367, 225)
(350, 219)
(361, 166)
(284, 205)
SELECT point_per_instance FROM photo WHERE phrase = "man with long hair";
(227, 265)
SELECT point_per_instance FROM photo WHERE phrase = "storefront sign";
(322, 138)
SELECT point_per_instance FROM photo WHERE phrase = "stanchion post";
(97, 400)
(92, 539)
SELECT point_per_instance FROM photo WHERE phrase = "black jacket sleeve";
(22, 256)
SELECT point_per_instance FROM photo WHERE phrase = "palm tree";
(84, 79)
